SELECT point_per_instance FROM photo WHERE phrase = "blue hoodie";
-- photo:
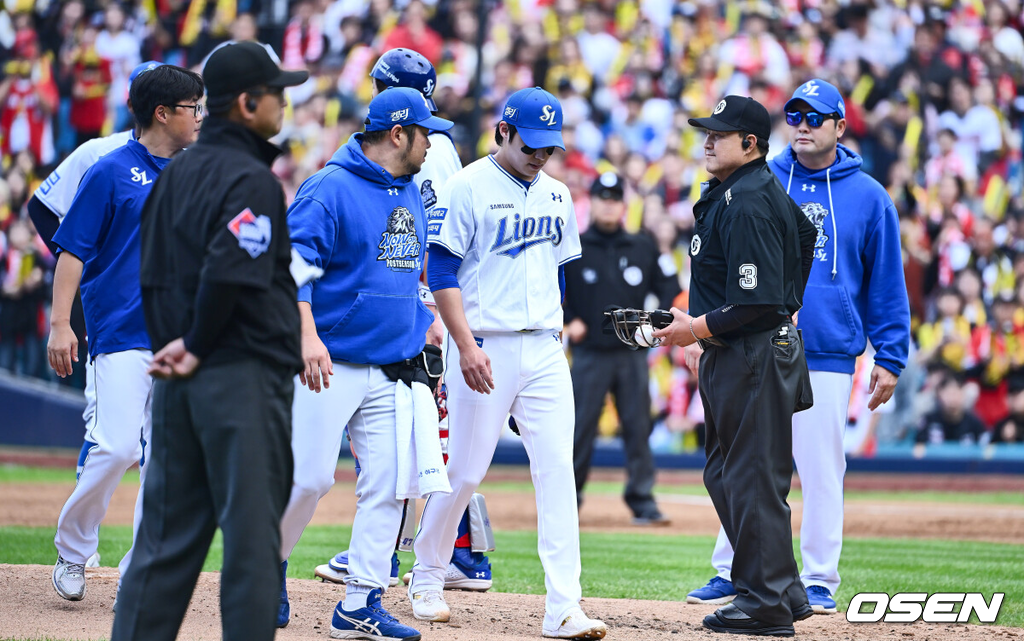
(367, 230)
(856, 289)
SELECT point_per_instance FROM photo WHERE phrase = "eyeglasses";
(529, 151)
(197, 110)
(814, 119)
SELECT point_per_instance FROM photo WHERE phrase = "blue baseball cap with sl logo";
(403, 106)
(537, 115)
(821, 96)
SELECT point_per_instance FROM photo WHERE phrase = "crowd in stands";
(935, 106)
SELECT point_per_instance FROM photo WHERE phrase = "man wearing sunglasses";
(856, 292)
(500, 234)
(751, 255)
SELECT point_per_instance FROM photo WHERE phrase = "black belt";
(711, 341)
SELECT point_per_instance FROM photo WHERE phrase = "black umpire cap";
(608, 186)
(738, 113)
(243, 66)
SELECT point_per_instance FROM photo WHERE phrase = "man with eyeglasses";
(751, 255)
(500, 236)
(856, 293)
(219, 304)
(98, 243)
(361, 219)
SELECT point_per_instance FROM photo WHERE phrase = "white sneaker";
(69, 579)
(93, 561)
(326, 573)
(429, 605)
(578, 626)
(454, 579)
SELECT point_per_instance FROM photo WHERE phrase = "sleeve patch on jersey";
(433, 228)
(428, 195)
(50, 182)
(437, 213)
(252, 231)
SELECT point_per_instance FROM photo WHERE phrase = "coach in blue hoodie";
(361, 220)
(856, 293)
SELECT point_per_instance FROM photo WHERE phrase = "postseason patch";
(428, 195)
(252, 232)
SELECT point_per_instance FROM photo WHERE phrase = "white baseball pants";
(821, 464)
(532, 382)
(362, 397)
(120, 424)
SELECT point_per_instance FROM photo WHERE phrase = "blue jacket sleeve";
(442, 268)
(88, 220)
(561, 281)
(887, 316)
(314, 232)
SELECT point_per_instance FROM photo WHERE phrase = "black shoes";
(732, 620)
(803, 612)
(652, 517)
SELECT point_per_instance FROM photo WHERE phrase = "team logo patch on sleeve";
(427, 194)
(253, 232)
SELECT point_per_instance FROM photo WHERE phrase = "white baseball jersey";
(60, 187)
(511, 239)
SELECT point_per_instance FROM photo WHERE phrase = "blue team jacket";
(856, 289)
(366, 229)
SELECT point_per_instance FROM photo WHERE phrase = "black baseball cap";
(738, 113)
(242, 66)
(608, 186)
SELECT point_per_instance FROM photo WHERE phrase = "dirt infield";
(35, 612)
(32, 610)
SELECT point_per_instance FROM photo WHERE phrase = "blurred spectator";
(947, 341)
(303, 37)
(29, 97)
(414, 33)
(979, 134)
(123, 49)
(1011, 428)
(950, 421)
(21, 297)
(91, 80)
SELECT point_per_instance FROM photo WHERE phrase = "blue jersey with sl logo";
(512, 238)
(102, 229)
(367, 230)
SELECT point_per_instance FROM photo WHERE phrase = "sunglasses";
(197, 110)
(814, 119)
(529, 151)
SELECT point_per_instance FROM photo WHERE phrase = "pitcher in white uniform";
(499, 236)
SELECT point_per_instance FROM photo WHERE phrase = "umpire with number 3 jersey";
(751, 254)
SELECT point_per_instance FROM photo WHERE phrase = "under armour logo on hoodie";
(809, 188)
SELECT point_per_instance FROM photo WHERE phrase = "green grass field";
(635, 565)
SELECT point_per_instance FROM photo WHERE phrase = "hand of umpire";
(678, 333)
(691, 355)
(476, 369)
(62, 348)
(174, 361)
(317, 363)
(883, 382)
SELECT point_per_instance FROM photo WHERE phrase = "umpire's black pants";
(749, 389)
(221, 457)
(624, 373)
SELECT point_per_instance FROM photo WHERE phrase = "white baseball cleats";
(577, 626)
(69, 579)
(429, 605)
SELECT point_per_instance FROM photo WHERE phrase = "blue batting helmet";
(407, 68)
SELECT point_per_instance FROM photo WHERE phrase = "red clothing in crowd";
(88, 103)
(26, 121)
(428, 42)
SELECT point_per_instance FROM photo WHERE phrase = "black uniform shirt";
(751, 246)
(616, 270)
(217, 215)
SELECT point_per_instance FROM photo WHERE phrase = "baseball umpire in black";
(219, 302)
(751, 254)
(618, 269)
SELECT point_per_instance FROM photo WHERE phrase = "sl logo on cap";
(401, 114)
(719, 108)
(548, 115)
(810, 88)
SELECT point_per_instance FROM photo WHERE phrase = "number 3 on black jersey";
(748, 276)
